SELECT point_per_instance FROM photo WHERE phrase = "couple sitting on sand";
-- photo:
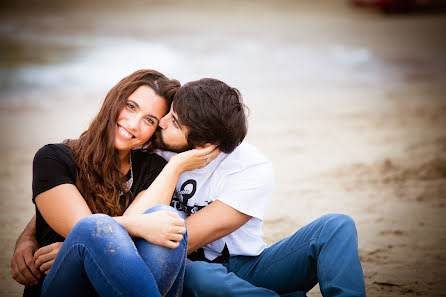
(106, 197)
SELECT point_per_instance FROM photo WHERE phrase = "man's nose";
(162, 123)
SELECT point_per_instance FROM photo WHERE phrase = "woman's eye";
(149, 120)
(174, 123)
(130, 106)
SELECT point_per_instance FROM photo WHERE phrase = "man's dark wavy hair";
(213, 112)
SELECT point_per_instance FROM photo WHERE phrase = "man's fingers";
(22, 274)
(16, 275)
(29, 261)
(24, 270)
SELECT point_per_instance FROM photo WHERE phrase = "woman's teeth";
(124, 132)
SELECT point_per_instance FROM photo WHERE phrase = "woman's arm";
(161, 190)
(62, 207)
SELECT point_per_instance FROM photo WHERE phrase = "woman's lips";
(124, 133)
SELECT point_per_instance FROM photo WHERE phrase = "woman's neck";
(124, 163)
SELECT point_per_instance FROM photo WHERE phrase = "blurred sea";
(266, 49)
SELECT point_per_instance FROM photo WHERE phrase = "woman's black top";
(53, 165)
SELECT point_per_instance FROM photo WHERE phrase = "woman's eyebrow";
(137, 105)
(134, 103)
(153, 116)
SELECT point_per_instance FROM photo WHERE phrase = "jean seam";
(94, 260)
(294, 250)
(321, 271)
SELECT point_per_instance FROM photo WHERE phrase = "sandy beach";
(348, 104)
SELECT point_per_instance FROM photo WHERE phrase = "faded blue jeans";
(324, 251)
(98, 257)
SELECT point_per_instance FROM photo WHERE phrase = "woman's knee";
(161, 207)
(97, 226)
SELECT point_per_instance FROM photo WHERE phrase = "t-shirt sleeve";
(166, 155)
(51, 168)
(249, 190)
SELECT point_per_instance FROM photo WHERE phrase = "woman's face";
(139, 118)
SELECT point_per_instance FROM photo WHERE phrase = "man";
(225, 204)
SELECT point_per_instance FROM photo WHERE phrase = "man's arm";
(211, 223)
(246, 194)
(23, 268)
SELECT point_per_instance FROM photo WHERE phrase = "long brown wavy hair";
(99, 178)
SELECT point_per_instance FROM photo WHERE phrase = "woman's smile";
(124, 132)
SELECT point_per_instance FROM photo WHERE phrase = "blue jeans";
(99, 257)
(324, 251)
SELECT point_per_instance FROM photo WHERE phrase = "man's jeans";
(99, 257)
(324, 251)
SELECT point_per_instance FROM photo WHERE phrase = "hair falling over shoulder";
(99, 179)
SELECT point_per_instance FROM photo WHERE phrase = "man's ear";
(204, 145)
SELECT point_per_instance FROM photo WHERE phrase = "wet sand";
(348, 104)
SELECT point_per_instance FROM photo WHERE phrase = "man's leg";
(99, 252)
(325, 250)
(213, 280)
(167, 265)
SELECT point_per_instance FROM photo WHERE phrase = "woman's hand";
(161, 190)
(163, 228)
(44, 257)
(195, 158)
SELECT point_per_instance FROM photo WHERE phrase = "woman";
(101, 173)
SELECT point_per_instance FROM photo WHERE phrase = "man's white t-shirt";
(243, 180)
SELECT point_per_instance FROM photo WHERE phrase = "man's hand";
(44, 257)
(23, 268)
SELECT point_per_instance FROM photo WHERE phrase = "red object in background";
(403, 5)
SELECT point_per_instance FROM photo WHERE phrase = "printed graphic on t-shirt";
(180, 200)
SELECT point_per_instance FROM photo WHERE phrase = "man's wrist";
(25, 239)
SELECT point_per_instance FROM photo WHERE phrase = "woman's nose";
(132, 122)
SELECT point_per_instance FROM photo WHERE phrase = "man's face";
(172, 136)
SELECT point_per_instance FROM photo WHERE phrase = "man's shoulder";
(246, 154)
